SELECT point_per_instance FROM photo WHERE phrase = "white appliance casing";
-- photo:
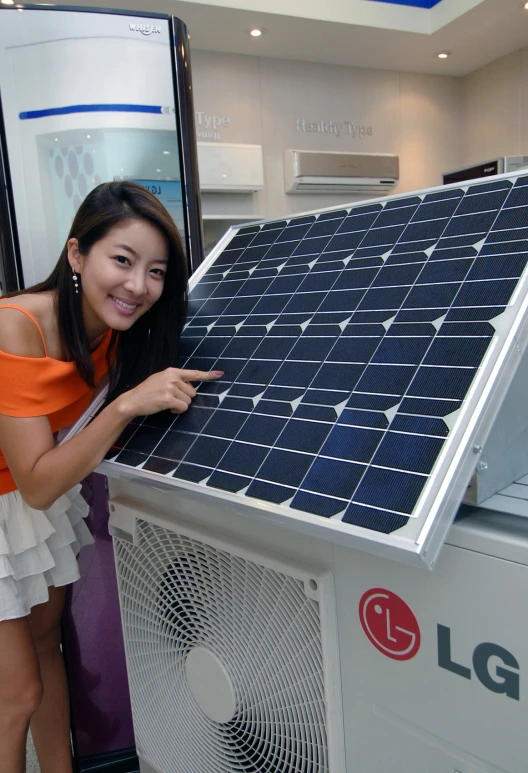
(34, 47)
(399, 716)
(503, 165)
(230, 168)
(308, 171)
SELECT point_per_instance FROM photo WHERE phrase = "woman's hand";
(170, 389)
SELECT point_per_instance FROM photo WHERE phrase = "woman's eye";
(121, 259)
(159, 272)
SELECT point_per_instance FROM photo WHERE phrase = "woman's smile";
(122, 276)
(125, 307)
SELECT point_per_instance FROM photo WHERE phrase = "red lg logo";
(389, 624)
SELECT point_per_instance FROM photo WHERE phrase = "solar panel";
(365, 352)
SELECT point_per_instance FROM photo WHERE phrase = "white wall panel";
(496, 110)
(431, 129)
(418, 118)
(310, 93)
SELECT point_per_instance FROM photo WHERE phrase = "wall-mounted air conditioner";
(227, 168)
(308, 171)
(489, 168)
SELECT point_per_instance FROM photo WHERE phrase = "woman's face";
(122, 276)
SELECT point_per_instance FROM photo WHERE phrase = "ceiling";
(488, 30)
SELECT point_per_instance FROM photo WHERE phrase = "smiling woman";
(113, 216)
(114, 306)
(123, 276)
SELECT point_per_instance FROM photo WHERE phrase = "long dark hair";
(151, 344)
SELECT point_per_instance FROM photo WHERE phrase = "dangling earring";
(75, 281)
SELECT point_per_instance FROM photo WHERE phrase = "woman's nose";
(136, 283)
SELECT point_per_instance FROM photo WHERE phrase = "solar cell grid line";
(302, 487)
(350, 340)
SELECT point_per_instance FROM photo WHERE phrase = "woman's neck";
(94, 327)
(93, 343)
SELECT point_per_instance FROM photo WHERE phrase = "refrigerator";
(87, 97)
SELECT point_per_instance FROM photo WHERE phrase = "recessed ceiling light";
(443, 54)
(158, 170)
(256, 32)
(166, 152)
(526, 6)
(88, 136)
(8, 2)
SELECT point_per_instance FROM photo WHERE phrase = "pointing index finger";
(201, 375)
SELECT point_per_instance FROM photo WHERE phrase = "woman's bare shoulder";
(18, 333)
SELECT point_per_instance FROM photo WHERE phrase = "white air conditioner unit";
(494, 166)
(308, 171)
(257, 650)
(227, 168)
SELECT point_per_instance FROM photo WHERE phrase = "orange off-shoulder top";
(42, 386)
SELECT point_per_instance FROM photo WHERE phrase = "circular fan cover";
(258, 635)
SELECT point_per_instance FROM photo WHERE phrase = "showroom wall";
(495, 102)
(281, 104)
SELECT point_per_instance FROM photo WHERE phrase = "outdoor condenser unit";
(269, 540)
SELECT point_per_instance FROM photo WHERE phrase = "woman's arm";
(43, 472)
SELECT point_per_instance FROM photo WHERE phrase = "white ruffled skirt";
(38, 548)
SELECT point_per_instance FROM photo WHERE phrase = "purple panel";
(93, 641)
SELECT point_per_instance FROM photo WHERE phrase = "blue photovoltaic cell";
(349, 340)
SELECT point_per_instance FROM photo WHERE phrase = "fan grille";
(178, 594)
